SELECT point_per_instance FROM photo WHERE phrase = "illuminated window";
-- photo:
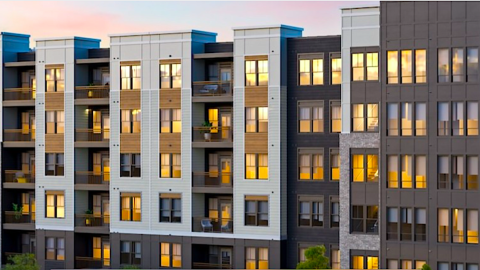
(130, 165)
(334, 165)
(358, 118)
(392, 176)
(357, 67)
(420, 171)
(130, 253)
(364, 166)
(336, 116)
(256, 210)
(443, 65)
(170, 255)
(256, 120)
(55, 248)
(262, 119)
(336, 69)
(317, 65)
(443, 226)
(131, 207)
(457, 65)
(131, 77)
(472, 226)
(256, 72)
(420, 66)
(358, 168)
(372, 66)
(55, 80)
(392, 67)
(457, 119)
(472, 118)
(310, 116)
(420, 119)
(310, 164)
(256, 166)
(443, 122)
(407, 171)
(458, 181)
(304, 77)
(251, 255)
(55, 122)
(55, 204)
(170, 208)
(262, 166)
(407, 121)
(54, 164)
(131, 121)
(335, 258)
(392, 114)
(407, 66)
(372, 117)
(170, 165)
(407, 264)
(170, 120)
(170, 75)
(310, 211)
(457, 225)
(472, 64)
(364, 262)
(472, 172)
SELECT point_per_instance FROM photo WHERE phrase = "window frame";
(311, 200)
(335, 104)
(364, 219)
(131, 196)
(171, 198)
(413, 232)
(365, 118)
(58, 121)
(56, 206)
(257, 256)
(257, 119)
(55, 248)
(335, 56)
(172, 165)
(366, 66)
(171, 254)
(170, 77)
(59, 167)
(56, 81)
(256, 166)
(171, 120)
(311, 152)
(365, 153)
(311, 106)
(133, 116)
(133, 166)
(257, 212)
(334, 200)
(257, 73)
(131, 78)
(132, 253)
(311, 58)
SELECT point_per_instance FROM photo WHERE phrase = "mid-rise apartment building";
(173, 150)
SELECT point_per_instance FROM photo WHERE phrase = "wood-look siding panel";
(256, 143)
(130, 99)
(130, 143)
(170, 143)
(170, 98)
(256, 96)
(54, 143)
(55, 101)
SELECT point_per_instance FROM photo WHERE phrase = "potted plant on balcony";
(88, 217)
(206, 131)
(17, 211)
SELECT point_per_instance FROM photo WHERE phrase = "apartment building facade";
(172, 150)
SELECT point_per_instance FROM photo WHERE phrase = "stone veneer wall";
(353, 241)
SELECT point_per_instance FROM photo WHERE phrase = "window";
(406, 124)
(310, 211)
(170, 75)
(170, 208)
(334, 165)
(54, 164)
(256, 72)
(55, 248)
(372, 117)
(457, 65)
(55, 122)
(442, 266)
(359, 113)
(407, 66)
(443, 172)
(310, 72)
(336, 69)
(472, 226)
(55, 204)
(130, 253)
(392, 67)
(131, 121)
(420, 225)
(372, 66)
(256, 119)
(336, 116)
(443, 124)
(420, 119)
(335, 258)
(443, 226)
(170, 165)
(358, 117)
(55, 79)
(443, 65)
(170, 120)
(131, 77)
(256, 258)
(364, 219)
(364, 166)
(310, 164)
(472, 64)
(392, 163)
(457, 226)
(131, 204)
(392, 112)
(170, 255)
(472, 172)
(420, 171)
(310, 116)
(357, 67)
(420, 66)
(393, 264)
(457, 172)
(406, 221)
(419, 264)
(254, 171)
(364, 262)
(334, 212)
(392, 223)
(130, 165)
(256, 210)
(407, 171)
(472, 118)
(457, 119)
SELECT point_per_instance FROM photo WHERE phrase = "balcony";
(88, 180)
(19, 137)
(212, 182)
(19, 179)
(92, 137)
(19, 221)
(92, 95)
(213, 91)
(90, 223)
(200, 265)
(212, 137)
(19, 97)
(89, 263)
(212, 225)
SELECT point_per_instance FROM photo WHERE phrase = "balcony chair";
(227, 227)
(20, 177)
(206, 225)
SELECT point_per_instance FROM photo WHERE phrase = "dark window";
(170, 208)
(54, 164)
(130, 165)
(310, 212)
(55, 248)
(130, 253)
(256, 210)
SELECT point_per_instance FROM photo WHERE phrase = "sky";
(97, 19)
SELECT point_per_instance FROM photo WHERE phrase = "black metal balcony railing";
(95, 91)
(19, 135)
(92, 178)
(19, 94)
(91, 220)
(201, 265)
(92, 135)
(212, 88)
(212, 225)
(18, 176)
(212, 134)
(18, 217)
(90, 263)
(212, 179)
